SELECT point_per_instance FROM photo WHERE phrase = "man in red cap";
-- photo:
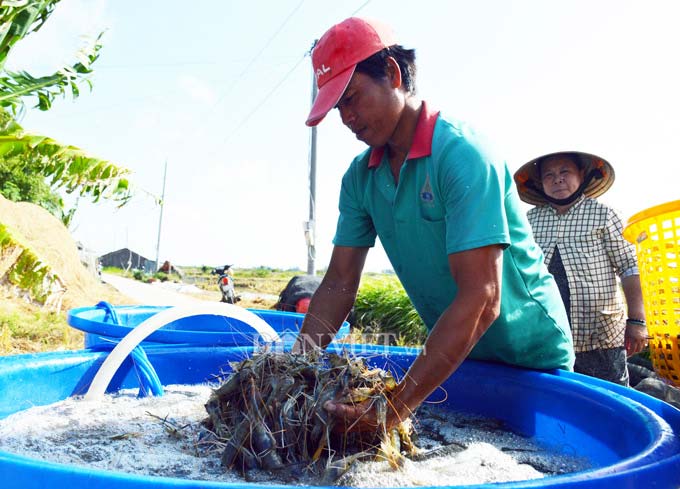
(448, 216)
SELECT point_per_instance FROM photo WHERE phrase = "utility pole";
(310, 225)
(160, 219)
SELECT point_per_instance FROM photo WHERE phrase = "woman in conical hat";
(584, 249)
(596, 173)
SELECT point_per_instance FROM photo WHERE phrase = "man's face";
(561, 177)
(371, 109)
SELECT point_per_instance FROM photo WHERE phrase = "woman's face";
(561, 177)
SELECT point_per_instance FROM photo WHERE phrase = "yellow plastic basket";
(655, 232)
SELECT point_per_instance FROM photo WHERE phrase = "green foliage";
(28, 273)
(139, 275)
(5, 238)
(23, 330)
(20, 183)
(34, 168)
(161, 276)
(114, 271)
(263, 280)
(19, 19)
(260, 272)
(66, 167)
(383, 308)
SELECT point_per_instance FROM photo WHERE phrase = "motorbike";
(225, 282)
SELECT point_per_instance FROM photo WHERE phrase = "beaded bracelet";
(637, 322)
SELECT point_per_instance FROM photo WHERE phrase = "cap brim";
(329, 96)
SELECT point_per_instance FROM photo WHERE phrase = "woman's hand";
(636, 338)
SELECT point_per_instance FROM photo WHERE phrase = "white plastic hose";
(144, 329)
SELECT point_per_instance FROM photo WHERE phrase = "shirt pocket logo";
(430, 207)
(426, 195)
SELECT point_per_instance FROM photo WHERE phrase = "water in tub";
(161, 436)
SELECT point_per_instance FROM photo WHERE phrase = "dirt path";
(157, 293)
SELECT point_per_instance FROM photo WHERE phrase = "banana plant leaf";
(68, 167)
(19, 18)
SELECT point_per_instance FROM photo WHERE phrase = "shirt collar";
(422, 138)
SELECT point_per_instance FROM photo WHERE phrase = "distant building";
(127, 260)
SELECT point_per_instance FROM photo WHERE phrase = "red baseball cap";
(337, 54)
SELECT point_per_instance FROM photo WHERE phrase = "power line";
(256, 57)
(360, 8)
(264, 100)
(248, 66)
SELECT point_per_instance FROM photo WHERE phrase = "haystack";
(39, 259)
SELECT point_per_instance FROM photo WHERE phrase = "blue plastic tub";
(104, 323)
(631, 439)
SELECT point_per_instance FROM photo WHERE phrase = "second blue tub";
(105, 323)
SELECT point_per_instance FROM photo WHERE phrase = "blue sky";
(220, 90)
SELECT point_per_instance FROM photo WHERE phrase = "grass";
(26, 329)
(384, 313)
(29, 328)
(261, 280)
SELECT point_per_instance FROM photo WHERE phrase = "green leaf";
(34, 166)
(69, 167)
(20, 18)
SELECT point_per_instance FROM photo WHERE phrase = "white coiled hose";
(113, 362)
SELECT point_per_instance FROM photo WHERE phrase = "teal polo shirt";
(452, 197)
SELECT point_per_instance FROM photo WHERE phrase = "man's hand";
(362, 416)
(353, 417)
(477, 273)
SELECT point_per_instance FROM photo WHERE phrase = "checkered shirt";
(595, 255)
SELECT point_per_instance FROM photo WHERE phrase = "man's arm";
(333, 300)
(477, 273)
